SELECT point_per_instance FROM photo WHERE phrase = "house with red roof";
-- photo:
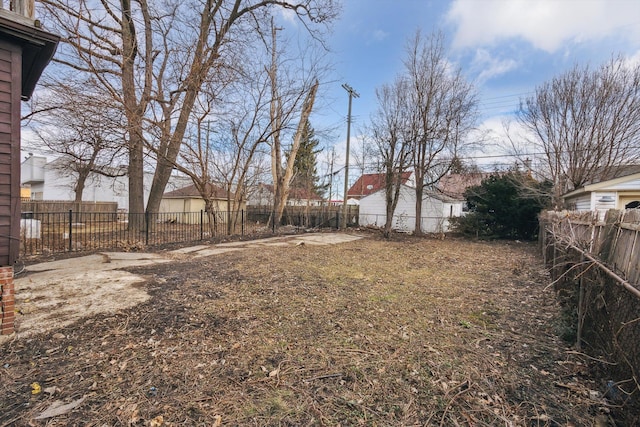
(444, 201)
(370, 183)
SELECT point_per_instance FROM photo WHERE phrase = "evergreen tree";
(505, 207)
(305, 170)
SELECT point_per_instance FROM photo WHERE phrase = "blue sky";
(506, 47)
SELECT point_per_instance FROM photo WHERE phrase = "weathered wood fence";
(595, 267)
(47, 206)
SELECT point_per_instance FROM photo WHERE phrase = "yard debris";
(59, 408)
(35, 388)
(157, 421)
(51, 390)
(406, 331)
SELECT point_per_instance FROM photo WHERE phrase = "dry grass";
(376, 333)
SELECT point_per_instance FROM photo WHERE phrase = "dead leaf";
(51, 390)
(157, 421)
(58, 408)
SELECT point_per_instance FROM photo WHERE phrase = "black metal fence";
(55, 232)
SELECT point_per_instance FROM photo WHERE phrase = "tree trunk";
(136, 186)
(211, 216)
(133, 112)
(79, 189)
(283, 181)
(419, 196)
(393, 184)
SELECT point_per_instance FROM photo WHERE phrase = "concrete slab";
(328, 238)
(190, 249)
(213, 251)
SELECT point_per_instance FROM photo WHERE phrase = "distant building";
(48, 181)
(372, 182)
(617, 193)
(437, 209)
(262, 196)
(187, 201)
(454, 185)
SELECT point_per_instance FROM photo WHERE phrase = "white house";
(47, 181)
(437, 208)
(617, 193)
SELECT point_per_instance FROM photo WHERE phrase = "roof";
(370, 183)
(454, 185)
(603, 185)
(191, 191)
(38, 47)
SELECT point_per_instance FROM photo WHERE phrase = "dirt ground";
(368, 332)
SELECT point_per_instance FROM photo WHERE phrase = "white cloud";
(379, 35)
(633, 60)
(545, 24)
(488, 67)
(289, 16)
(502, 142)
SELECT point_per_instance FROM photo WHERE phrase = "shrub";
(505, 207)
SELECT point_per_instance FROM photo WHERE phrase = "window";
(632, 205)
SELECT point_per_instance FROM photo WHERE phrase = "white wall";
(58, 185)
(32, 169)
(435, 212)
(580, 203)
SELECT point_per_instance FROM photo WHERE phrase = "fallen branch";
(322, 377)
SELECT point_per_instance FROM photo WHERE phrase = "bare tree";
(442, 110)
(586, 124)
(82, 129)
(387, 133)
(225, 149)
(153, 59)
(287, 98)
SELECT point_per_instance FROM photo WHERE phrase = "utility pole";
(333, 158)
(352, 94)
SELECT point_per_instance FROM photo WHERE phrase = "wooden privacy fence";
(47, 206)
(595, 267)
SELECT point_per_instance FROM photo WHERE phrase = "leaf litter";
(411, 331)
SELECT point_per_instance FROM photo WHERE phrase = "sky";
(504, 47)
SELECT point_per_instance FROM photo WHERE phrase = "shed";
(617, 193)
(437, 208)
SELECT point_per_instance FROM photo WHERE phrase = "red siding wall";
(10, 84)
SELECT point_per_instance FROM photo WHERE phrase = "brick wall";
(7, 301)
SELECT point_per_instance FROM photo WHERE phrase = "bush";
(504, 207)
